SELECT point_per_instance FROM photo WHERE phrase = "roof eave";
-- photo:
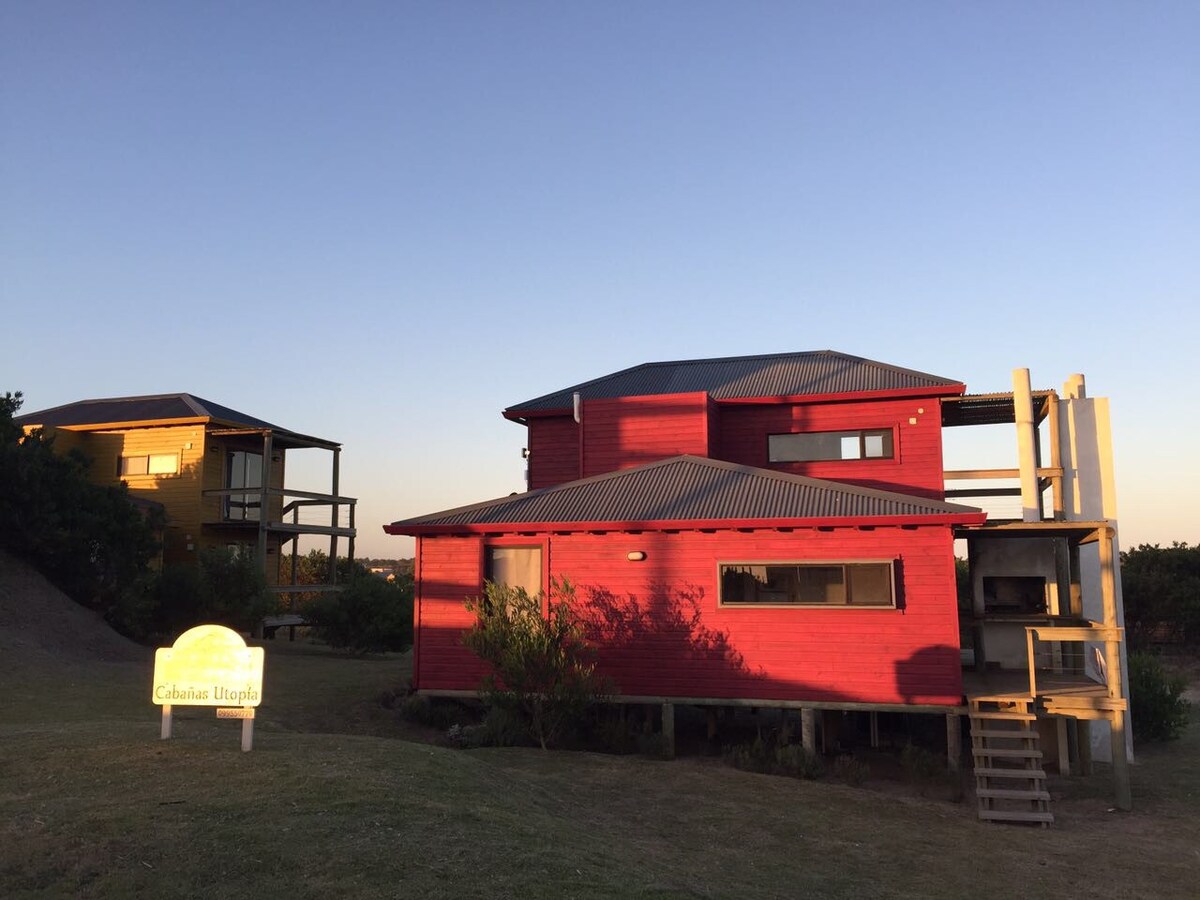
(760, 524)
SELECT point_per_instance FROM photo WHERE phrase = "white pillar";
(1031, 497)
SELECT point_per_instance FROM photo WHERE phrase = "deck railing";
(1055, 650)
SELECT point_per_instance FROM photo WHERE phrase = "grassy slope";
(92, 804)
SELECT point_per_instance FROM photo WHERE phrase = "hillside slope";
(42, 629)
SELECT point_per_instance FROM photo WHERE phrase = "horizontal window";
(814, 446)
(867, 583)
(149, 464)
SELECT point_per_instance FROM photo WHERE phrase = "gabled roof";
(695, 491)
(153, 408)
(815, 372)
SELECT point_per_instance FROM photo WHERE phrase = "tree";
(370, 615)
(1161, 589)
(541, 664)
(90, 540)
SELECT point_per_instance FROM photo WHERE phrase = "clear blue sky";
(381, 223)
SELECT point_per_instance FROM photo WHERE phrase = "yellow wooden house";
(218, 475)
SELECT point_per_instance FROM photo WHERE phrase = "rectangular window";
(515, 566)
(816, 446)
(867, 583)
(243, 470)
(148, 464)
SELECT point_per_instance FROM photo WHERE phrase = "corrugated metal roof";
(688, 488)
(140, 409)
(741, 377)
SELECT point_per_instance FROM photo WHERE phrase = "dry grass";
(336, 800)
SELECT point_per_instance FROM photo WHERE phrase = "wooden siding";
(553, 451)
(451, 571)
(624, 432)
(915, 469)
(662, 631)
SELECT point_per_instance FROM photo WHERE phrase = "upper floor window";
(865, 583)
(243, 470)
(815, 446)
(148, 464)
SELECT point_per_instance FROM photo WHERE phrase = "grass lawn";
(340, 799)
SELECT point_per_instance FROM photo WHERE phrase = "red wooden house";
(767, 530)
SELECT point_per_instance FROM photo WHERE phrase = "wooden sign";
(210, 665)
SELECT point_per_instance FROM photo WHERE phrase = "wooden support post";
(668, 729)
(333, 518)
(1120, 762)
(1064, 747)
(874, 719)
(1056, 482)
(785, 727)
(165, 733)
(808, 730)
(953, 742)
(1083, 743)
(247, 735)
(647, 719)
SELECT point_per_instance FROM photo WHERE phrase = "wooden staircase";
(1010, 783)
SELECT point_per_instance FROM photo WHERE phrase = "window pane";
(870, 584)
(163, 464)
(806, 447)
(821, 584)
(134, 465)
(828, 445)
(517, 567)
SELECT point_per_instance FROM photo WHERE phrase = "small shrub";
(769, 758)
(541, 667)
(425, 711)
(920, 764)
(1160, 713)
(850, 770)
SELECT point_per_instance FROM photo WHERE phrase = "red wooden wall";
(553, 451)
(664, 633)
(623, 432)
(632, 431)
(915, 469)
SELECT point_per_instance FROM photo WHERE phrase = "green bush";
(1159, 711)
(370, 616)
(772, 758)
(223, 589)
(541, 664)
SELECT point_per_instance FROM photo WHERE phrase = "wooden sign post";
(210, 665)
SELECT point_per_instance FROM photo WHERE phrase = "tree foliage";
(1160, 712)
(541, 665)
(90, 540)
(225, 588)
(370, 615)
(1161, 589)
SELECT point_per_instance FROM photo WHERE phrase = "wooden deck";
(1072, 695)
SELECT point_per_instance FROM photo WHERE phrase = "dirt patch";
(42, 627)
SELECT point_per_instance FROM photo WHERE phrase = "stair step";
(990, 793)
(1035, 774)
(1015, 734)
(998, 716)
(1014, 753)
(1005, 815)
